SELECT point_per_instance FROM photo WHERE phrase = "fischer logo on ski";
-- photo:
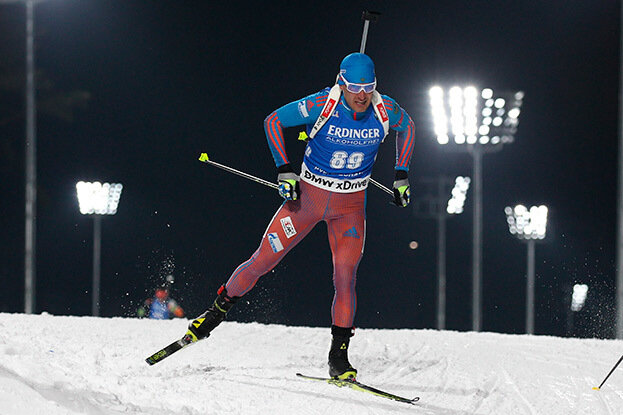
(169, 350)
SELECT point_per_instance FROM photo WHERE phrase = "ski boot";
(339, 366)
(201, 327)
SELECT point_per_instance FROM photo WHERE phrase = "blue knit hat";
(357, 68)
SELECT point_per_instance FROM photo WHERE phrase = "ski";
(169, 350)
(358, 386)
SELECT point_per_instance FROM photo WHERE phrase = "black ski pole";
(367, 17)
(607, 376)
(204, 158)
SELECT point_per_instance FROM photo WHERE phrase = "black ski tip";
(156, 357)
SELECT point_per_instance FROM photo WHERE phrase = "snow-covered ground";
(56, 365)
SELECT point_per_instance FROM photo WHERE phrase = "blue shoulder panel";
(304, 111)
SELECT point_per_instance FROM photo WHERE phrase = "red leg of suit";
(347, 238)
(345, 217)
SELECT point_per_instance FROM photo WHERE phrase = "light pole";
(529, 226)
(479, 121)
(30, 227)
(97, 199)
(619, 231)
(440, 203)
(31, 166)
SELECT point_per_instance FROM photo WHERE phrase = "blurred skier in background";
(161, 306)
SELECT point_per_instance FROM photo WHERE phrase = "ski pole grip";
(370, 15)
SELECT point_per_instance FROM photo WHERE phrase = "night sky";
(169, 80)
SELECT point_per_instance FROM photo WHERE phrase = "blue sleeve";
(301, 112)
(402, 123)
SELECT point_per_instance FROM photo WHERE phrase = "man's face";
(357, 102)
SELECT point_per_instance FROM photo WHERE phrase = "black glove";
(289, 187)
(402, 192)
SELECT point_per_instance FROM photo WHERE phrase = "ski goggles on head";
(357, 88)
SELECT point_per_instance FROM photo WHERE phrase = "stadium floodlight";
(477, 121)
(578, 298)
(459, 192)
(97, 199)
(468, 115)
(528, 225)
(435, 203)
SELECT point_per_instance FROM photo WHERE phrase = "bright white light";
(468, 115)
(457, 120)
(459, 192)
(97, 198)
(514, 112)
(507, 139)
(456, 93)
(470, 92)
(457, 124)
(578, 297)
(471, 126)
(441, 127)
(527, 223)
(441, 130)
(436, 92)
(440, 119)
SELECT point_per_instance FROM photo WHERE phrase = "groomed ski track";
(83, 365)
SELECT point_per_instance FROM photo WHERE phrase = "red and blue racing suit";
(334, 177)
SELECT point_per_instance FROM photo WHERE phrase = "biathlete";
(345, 124)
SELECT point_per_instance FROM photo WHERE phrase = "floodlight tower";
(97, 199)
(529, 226)
(440, 205)
(479, 122)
